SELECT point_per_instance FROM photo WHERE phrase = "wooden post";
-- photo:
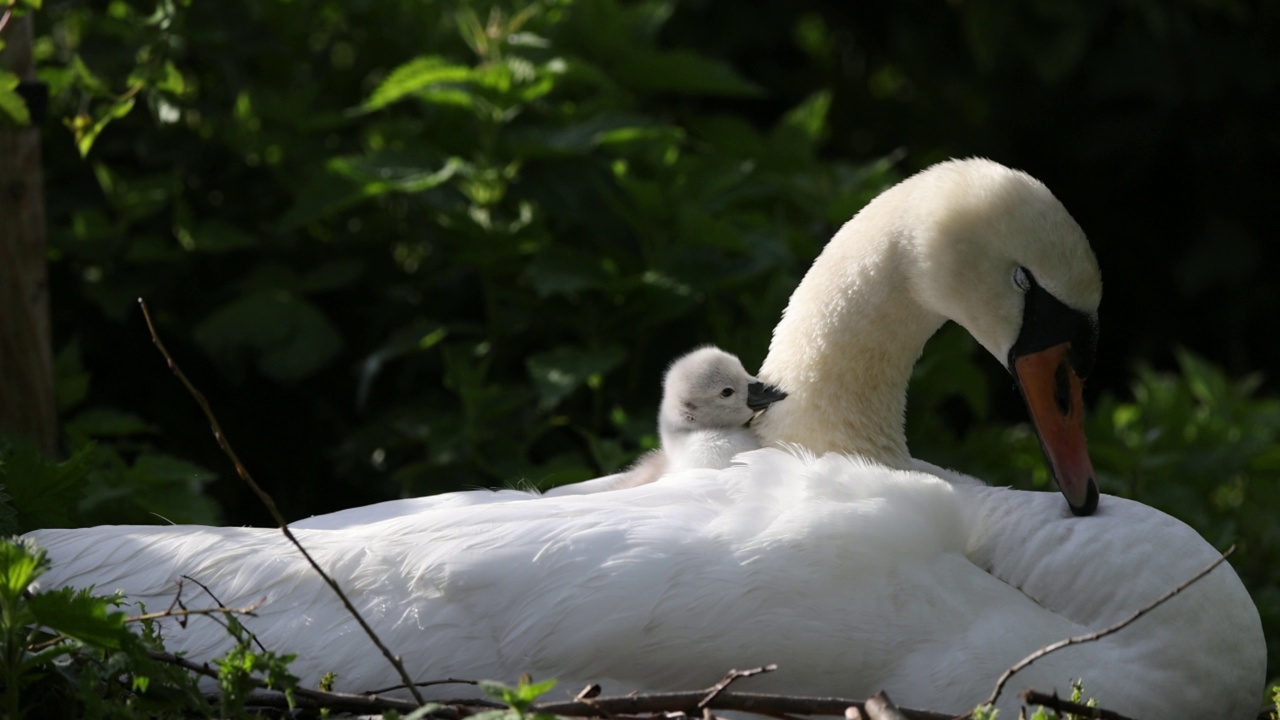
(27, 407)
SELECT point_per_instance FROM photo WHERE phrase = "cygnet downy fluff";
(707, 400)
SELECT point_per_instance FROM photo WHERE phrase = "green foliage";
(240, 669)
(519, 699)
(69, 653)
(985, 712)
(100, 482)
(508, 221)
(112, 473)
(153, 76)
(13, 109)
(75, 618)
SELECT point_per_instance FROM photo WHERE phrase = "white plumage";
(707, 400)
(848, 574)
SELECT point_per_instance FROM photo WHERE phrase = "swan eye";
(726, 392)
(1021, 278)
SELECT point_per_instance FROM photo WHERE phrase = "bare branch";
(1099, 634)
(622, 707)
(728, 680)
(1053, 702)
(687, 702)
(266, 499)
(342, 702)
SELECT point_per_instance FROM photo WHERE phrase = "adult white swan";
(851, 575)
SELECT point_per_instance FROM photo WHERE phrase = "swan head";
(996, 252)
(709, 389)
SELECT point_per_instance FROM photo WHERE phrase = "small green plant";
(518, 699)
(326, 684)
(239, 670)
(985, 712)
(37, 628)
(103, 668)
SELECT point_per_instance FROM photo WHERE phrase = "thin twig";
(1053, 702)
(252, 635)
(37, 647)
(266, 499)
(1099, 634)
(728, 680)
(251, 611)
(424, 683)
(177, 603)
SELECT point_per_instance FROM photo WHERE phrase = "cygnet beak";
(761, 396)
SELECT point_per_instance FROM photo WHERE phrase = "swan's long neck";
(845, 348)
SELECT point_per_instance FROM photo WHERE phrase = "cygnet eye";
(1021, 278)
(726, 392)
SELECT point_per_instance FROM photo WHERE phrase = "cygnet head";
(709, 389)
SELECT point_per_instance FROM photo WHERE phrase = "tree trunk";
(27, 407)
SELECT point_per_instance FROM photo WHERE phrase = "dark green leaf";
(559, 372)
(105, 422)
(686, 73)
(81, 616)
(287, 337)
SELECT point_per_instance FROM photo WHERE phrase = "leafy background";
(411, 246)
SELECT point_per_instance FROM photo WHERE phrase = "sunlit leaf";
(21, 562)
(13, 109)
(414, 76)
(809, 118)
(87, 134)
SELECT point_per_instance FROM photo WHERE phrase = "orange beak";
(1054, 396)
